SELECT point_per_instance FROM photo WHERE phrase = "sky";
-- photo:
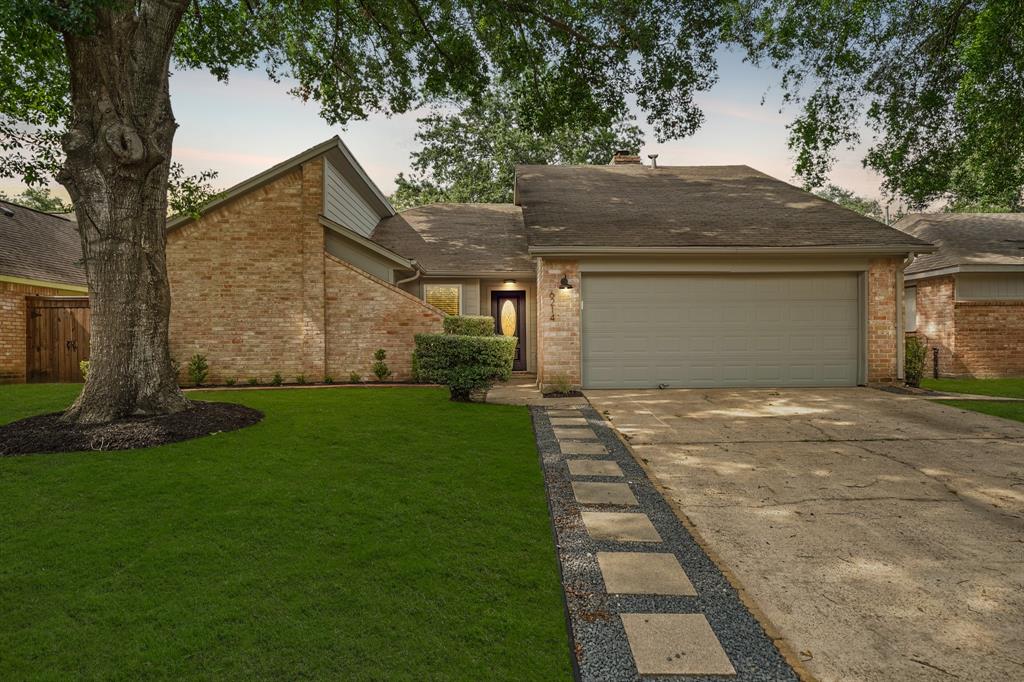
(251, 123)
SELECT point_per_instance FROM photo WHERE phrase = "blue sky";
(251, 123)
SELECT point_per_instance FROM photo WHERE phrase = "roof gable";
(669, 207)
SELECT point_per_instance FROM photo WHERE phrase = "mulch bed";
(47, 433)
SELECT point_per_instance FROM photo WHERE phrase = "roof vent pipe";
(654, 160)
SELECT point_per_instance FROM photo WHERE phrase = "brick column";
(558, 323)
(882, 332)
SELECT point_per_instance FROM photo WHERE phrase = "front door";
(508, 308)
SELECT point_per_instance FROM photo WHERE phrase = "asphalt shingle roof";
(41, 246)
(685, 206)
(966, 239)
(458, 237)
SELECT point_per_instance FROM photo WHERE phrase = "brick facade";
(559, 354)
(253, 290)
(13, 338)
(364, 313)
(883, 333)
(983, 339)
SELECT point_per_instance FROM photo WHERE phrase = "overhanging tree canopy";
(84, 95)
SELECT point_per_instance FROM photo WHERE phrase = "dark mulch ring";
(565, 394)
(47, 433)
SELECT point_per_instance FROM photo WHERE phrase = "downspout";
(414, 277)
(901, 327)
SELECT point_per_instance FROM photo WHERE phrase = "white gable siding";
(343, 205)
(990, 286)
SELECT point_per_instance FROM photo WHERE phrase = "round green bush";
(465, 364)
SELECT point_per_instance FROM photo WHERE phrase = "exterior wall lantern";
(564, 284)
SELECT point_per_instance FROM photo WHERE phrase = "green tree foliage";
(939, 84)
(847, 199)
(470, 155)
(186, 194)
(85, 98)
(40, 199)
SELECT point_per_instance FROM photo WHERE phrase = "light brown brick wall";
(935, 324)
(12, 326)
(883, 336)
(558, 339)
(364, 313)
(989, 339)
(237, 277)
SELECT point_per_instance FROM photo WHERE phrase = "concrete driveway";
(881, 536)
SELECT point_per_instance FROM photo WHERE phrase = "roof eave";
(367, 243)
(736, 250)
(966, 267)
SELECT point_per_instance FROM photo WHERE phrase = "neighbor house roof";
(39, 247)
(335, 150)
(458, 238)
(966, 240)
(630, 207)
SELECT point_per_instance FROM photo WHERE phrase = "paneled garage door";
(640, 331)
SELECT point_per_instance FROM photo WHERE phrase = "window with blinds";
(446, 297)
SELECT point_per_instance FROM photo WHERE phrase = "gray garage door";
(640, 331)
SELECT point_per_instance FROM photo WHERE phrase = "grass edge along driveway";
(997, 388)
(353, 534)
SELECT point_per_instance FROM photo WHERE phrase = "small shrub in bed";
(328, 379)
(277, 380)
(300, 379)
(465, 364)
(231, 382)
(380, 368)
(914, 361)
(253, 381)
(355, 377)
(469, 325)
(83, 367)
(198, 369)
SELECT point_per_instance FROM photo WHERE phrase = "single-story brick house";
(42, 286)
(967, 298)
(622, 275)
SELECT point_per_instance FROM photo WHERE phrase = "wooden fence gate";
(58, 337)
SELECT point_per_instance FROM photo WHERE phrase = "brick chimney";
(625, 158)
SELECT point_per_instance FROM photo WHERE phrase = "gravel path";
(597, 635)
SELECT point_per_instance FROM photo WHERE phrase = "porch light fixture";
(510, 281)
(564, 284)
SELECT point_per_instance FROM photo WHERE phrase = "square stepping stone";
(570, 433)
(644, 573)
(675, 644)
(621, 526)
(564, 413)
(582, 448)
(568, 421)
(589, 492)
(593, 467)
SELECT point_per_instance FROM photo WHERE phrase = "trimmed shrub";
(469, 325)
(380, 368)
(914, 361)
(198, 369)
(465, 364)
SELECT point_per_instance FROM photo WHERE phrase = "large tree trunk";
(118, 148)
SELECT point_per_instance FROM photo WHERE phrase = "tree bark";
(118, 152)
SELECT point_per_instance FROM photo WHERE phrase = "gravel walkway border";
(597, 638)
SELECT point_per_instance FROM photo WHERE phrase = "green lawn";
(997, 408)
(353, 534)
(1002, 388)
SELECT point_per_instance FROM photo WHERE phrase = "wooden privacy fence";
(58, 337)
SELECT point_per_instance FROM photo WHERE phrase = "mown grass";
(1002, 388)
(996, 408)
(353, 534)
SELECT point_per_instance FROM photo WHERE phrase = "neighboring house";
(967, 298)
(611, 276)
(44, 329)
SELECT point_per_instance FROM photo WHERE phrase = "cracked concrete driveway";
(882, 536)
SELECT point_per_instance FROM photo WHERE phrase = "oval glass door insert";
(508, 318)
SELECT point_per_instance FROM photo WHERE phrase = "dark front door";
(508, 308)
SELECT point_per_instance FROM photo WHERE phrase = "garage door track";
(882, 536)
